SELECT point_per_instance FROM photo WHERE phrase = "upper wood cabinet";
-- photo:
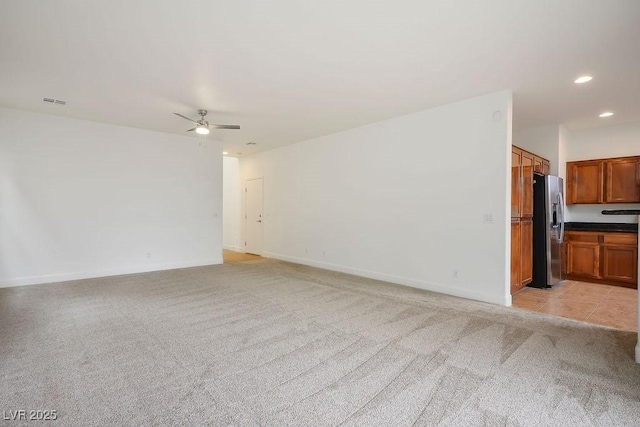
(538, 164)
(523, 164)
(622, 180)
(614, 180)
(516, 181)
(546, 167)
(584, 182)
(526, 206)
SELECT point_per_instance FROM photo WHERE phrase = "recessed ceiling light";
(224, 153)
(606, 114)
(583, 79)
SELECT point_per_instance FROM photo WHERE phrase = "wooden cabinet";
(523, 165)
(619, 263)
(526, 194)
(521, 183)
(583, 259)
(516, 182)
(515, 255)
(526, 252)
(602, 257)
(538, 164)
(527, 158)
(622, 180)
(584, 182)
(615, 180)
(546, 167)
(620, 257)
(521, 253)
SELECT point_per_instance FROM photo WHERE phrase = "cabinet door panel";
(526, 254)
(620, 263)
(515, 255)
(585, 182)
(583, 259)
(537, 164)
(621, 180)
(526, 208)
(516, 182)
(546, 167)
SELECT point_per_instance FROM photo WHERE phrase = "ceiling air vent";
(54, 101)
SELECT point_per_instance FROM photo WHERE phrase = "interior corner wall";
(419, 200)
(601, 143)
(543, 141)
(82, 199)
(231, 199)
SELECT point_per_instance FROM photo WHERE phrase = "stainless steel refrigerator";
(548, 230)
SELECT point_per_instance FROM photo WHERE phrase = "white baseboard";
(233, 248)
(406, 281)
(62, 277)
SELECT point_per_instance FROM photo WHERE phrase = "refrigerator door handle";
(561, 206)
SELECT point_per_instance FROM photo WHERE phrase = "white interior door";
(253, 216)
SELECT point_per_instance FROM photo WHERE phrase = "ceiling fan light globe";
(202, 130)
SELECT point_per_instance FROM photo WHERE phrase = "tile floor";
(232, 256)
(612, 306)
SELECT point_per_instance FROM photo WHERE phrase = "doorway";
(253, 216)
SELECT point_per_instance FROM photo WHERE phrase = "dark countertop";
(601, 226)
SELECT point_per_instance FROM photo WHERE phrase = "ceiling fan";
(203, 125)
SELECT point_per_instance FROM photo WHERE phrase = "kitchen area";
(574, 246)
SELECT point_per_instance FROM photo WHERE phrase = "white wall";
(599, 143)
(543, 141)
(401, 200)
(82, 199)
(231, 199)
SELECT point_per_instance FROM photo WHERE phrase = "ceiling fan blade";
(185, 117)
(224, 126)
(189, 130)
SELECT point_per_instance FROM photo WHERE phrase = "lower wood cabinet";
(602, 257)
(583, 259)
(526, 263)
(515, 255)
(521, 253)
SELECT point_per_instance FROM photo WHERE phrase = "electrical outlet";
(487, 218)
(455, 274)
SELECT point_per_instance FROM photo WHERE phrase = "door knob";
(259, 220)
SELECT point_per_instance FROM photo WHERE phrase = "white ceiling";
(290, 70)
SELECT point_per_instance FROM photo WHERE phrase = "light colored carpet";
(273, 343)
